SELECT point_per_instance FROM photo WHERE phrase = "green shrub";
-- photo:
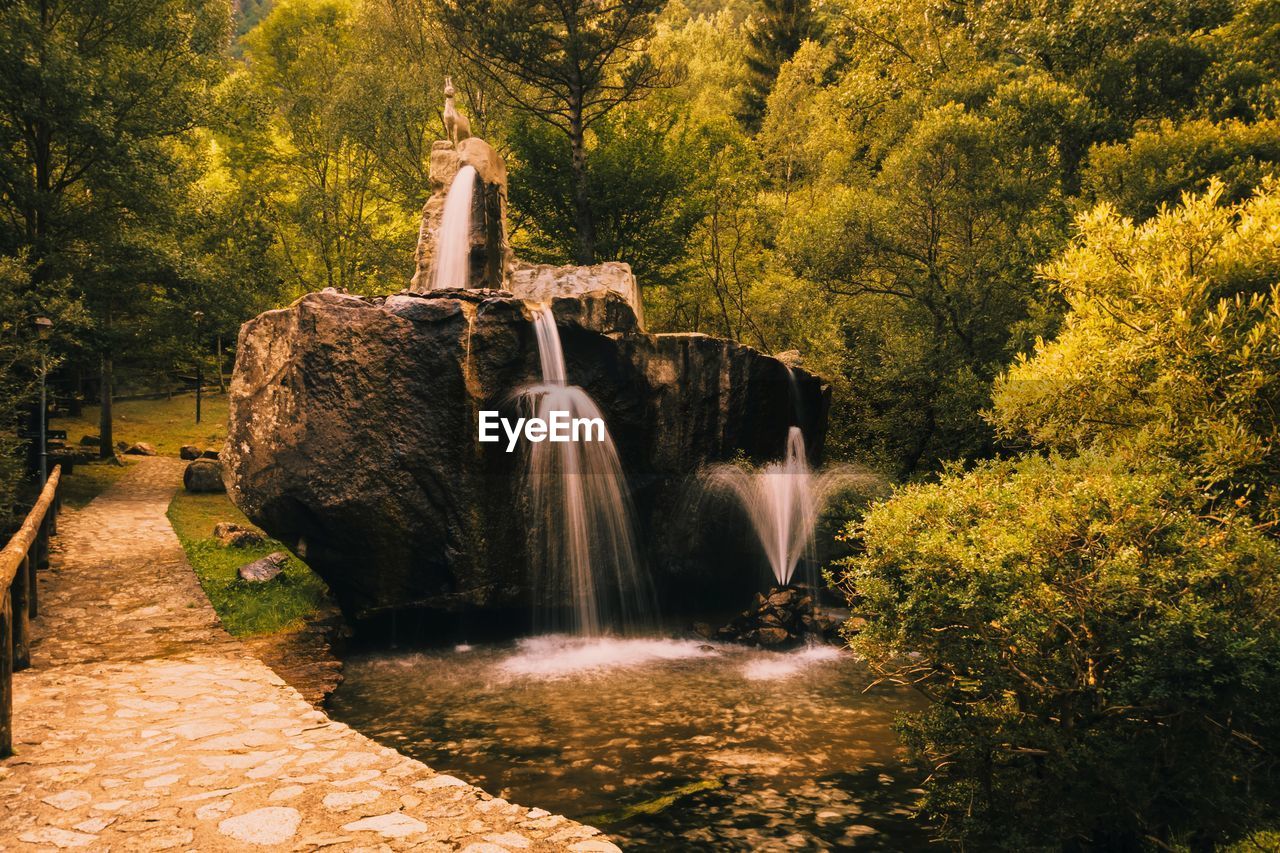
(1102, 662)
(1171, 350)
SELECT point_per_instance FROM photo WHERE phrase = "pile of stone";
(784, 618)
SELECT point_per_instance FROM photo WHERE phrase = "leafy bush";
(1171, 349)
(1103, 664)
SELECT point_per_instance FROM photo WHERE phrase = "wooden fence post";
(33, 609)
(42, 544)
(20, 619)
(6, 679)
(20, 559)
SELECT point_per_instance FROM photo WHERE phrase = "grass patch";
(166, 423)
(87, 481)
(245, 609)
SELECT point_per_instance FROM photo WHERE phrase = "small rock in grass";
(233, 535)
(141, 448)
(261, 571)
(189, 452)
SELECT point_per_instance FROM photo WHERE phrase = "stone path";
(143, 726)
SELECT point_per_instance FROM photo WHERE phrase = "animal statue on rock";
(456, 126)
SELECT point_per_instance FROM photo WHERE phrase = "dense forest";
(875, 185)
(1033, 244)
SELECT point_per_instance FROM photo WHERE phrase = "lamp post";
(198, 316)
(43, 327)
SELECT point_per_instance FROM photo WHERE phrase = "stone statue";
(456, 126)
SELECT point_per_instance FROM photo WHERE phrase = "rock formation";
(353, 435)
(543, 282)
(490, 247)
(785, 617)
(493, 264)
(353, 421)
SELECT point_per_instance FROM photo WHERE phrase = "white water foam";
(786, 664)
(561, 655)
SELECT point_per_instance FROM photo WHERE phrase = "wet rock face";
(353, 435)
(543, 282)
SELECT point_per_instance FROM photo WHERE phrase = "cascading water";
(583, 538)
(453, 244)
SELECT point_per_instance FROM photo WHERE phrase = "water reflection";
(665, 744)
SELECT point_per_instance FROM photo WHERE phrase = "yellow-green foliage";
(1171, 348)
(1101, 659)
(1157, 165)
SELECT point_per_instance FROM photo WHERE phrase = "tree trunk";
(75, 405)
(584, 222)
(106, 442)
(222, 382)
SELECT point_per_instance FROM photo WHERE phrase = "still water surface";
(665, 744)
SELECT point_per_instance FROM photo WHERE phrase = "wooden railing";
(26, 553)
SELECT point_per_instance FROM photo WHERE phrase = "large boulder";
(353, 436)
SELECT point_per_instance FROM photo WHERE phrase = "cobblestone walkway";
(143, 726)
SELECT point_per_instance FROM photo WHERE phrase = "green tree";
(641, 182)
(938, 249)
(1133, 59)
(20, 362)
(568, 64)
(775, 31)
(305, 110)
(1171, 348)
(99, 97)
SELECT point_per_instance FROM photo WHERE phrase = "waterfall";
(582, 530)
(453, 242)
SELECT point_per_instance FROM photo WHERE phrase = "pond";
(663, 743)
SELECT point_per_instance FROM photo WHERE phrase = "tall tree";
(96, 98)
(774, 33)
(567, 63)
(643, 196)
